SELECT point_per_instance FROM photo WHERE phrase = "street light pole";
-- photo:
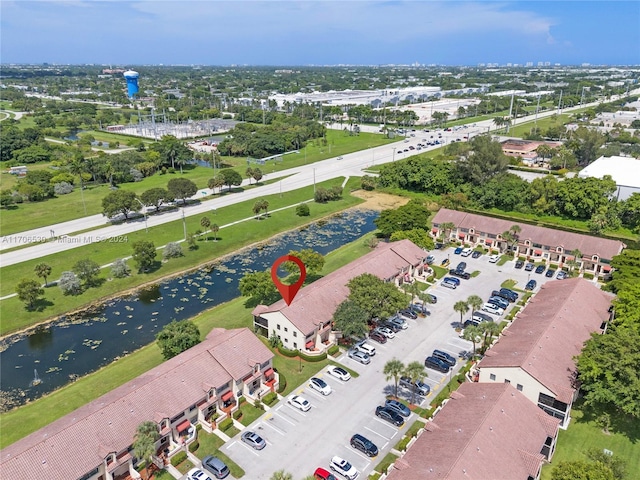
(394, 154)
(314, 181)
(144, 212)
(184, 224)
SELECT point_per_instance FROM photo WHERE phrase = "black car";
(476, 254)
(540, 269)
(444, 356)
(393, 326)
(390, 416)
(432, 298)
(461, 266)
(436, 364)
(550, 273)
(407, 312)
(505, 295)
(531, 285)
(509, 294)
(460, 273)
(499, 302)
(519, 264)
(363, 444)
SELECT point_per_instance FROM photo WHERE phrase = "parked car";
(493, 309)
(363, 444)
(299, 402)
(499, 302)
(460, 273)
(494, 258)
(444, 356)
(432, 298)
(498, 293)
(540, 269)
(421, 388)
(452, 280)
(320, 385)
(466, 251)
(366, 348)
(390, 416)
(339, 372)
(378, 337)
(436, 364)
(398, 407)
(550, 273)
(529, 267)
(446, 282)
(476, 254)
(197, 474)
(445, 263)
(509, 294)
(322, 474)
(344, 468)
(458, 250)
(407, 312)
(359, 356)
(461, 266)
(531, 285)
(561, 275)
(430, 259)
(519, 264)
(215, 466)
(253, 440)
(387, 331)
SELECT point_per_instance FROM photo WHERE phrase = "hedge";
(402, 444)
(287, 352)
(270, 398)
(283, 382)
(178, 458)
(225, 424)
(334, 349)
(314, 358)
(237, 414)
(194, 446)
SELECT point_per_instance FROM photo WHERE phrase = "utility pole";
(560, 103)
(535, 123)
(184, 224)
(394, 154)
(510, 111)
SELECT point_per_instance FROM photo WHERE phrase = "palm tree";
(489, 330)
(249, 174)
(446, 228)
(462, 307)
(257, 208)
(475, 302)
(144, 445)
(43, 270)
(473, 333)
(415, 371)
(205, 223)
(214, 229)
(281, 475)
(394, 368)
(411, 289)
(577, 259)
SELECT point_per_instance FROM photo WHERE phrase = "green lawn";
(210, 445)
(249, 413)
(583, 434)
(28, 418)
(16, 317)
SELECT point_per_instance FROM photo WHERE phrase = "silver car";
(359, 356)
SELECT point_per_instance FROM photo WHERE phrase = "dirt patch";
(379, 201)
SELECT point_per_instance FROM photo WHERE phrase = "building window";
(295, 345)
(295, 334)
(492, 377)
(519, 387)
(506, 380)
(286, 329)
(286, 340)
(278, 326)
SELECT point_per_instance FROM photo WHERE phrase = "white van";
(368, 349)
(466, 252)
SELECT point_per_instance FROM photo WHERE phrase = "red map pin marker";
(288, 292)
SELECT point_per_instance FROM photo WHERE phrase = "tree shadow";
(39, 305)
(619, 421)
(152, 268)
(95, 283)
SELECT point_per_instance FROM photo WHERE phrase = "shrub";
(368, 182)
(302, 210)
(69, 283)
(63, 177)
(270, 398)
(172, 250)
(587, 276)
(193, 446)
(237, 414)
(402, 444)
(333, 350)
(62, 188)
(226, 424)
(313, 358)
(282, 386)
(178, 458)
(258, 404)
(287, 352)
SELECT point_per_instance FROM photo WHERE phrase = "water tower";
(132, 82)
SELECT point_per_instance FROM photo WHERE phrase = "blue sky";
(319, 32)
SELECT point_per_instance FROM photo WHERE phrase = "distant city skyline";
(151, 32)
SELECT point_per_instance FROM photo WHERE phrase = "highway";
(60, 237)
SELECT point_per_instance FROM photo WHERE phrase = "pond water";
(51, 356)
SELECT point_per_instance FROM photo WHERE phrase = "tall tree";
(462, 307)
(205, 223)
(231, 177)
(43, 270)
(416, 372)
(475, 302)
(181, 188)
(214, 229)
(484, 161)
(351, 320)
(144, 444)
(28, 292)
(216, 182)
(176, 337)
(120, 201)
(473, 333)
(312, 260)
(374, 296)
(87, 270)
(446, 228)
(259, 287)
(155, 197)
(144, 255)
(394, 368)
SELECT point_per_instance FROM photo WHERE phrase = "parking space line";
(353, 450)
(376, 433)
(276, 429)
(282, 417)
(249, 448)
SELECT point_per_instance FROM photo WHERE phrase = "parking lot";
(299, 442)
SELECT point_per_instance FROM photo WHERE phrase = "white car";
(339, 372)
(320, 385)
(387, 332)
(493, 309)
(494, 258)
(299, 402)
(197, 474)
(344, 468)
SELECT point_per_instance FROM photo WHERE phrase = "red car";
(378, 337)
(322, 474)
